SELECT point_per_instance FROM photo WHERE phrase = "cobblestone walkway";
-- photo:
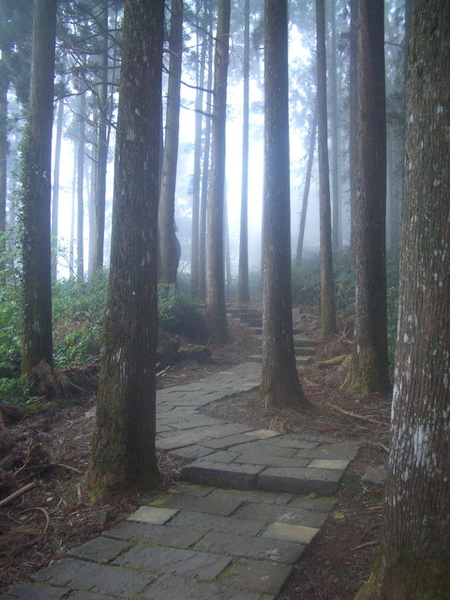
(253, 500)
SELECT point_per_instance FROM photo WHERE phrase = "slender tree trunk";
(73, 215)
(80, 185)
(92, 195)
(123, 453)
(36, 194)
(205, 179)
(353, 151)
(327, 296)
(168, 243)
(243, 283)
(215, 276)
(301, 233)
(280, 384)
(4, 87)
(369, 369)
(200, 80)
(415, 543)
(334, 103)
(55, 195)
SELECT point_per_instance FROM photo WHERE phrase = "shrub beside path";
(250, 503)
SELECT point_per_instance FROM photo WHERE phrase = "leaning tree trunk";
(215, 276)
(415, 543)
(169, 254)
(36, 192)
(123, 453)
(327, 296)
(280, 383)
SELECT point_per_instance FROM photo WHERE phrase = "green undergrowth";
(78, 316)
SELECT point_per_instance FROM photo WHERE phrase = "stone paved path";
(253, 500)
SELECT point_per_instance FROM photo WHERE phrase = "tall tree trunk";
(73, 214)
(92, 195)
(55, 195)
(80, 185)
(215, 276)
(327, 296)
(102, 149)
(353, 110)
(369, 369)
(205, 179)
(36, 193)
(196, 187)
(243, 283)
(334, 104)
(415, 544)
(301, 233)
(169, 246)
(280, 383)
(123, 453)
(4, 87)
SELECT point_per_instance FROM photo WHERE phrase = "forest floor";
(51, 452)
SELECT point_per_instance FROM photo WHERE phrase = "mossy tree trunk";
(124, 441)
(415, 543)
(36, 192)
(280, 382)
(369, 370)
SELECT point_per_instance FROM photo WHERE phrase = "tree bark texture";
(124, 440)
(280, 383)
(215, 268)
(415, 543)
(369, 369)
(327, 295)
(36, 192)
(169, 247)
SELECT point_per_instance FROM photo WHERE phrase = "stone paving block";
(297, 442)
(175, 537)
(328, 463)
(204, 522)
(253, 497)
(82, 595)
(270, 461)
(258, 548)
(300, 481)
(337, 450)
(257, 575)
(293, 533)
(221, 506)
(191, 452)
(229, 441)
(316, 504)
(152, 514)
(192, 489)
(106, 579)
(223, 456)
(172, 441)
(196, 420)
(284, 514)
(175, 561)
(100, 549)
(176, 588)
(241, 477)
(33, 592)
(264, 448)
